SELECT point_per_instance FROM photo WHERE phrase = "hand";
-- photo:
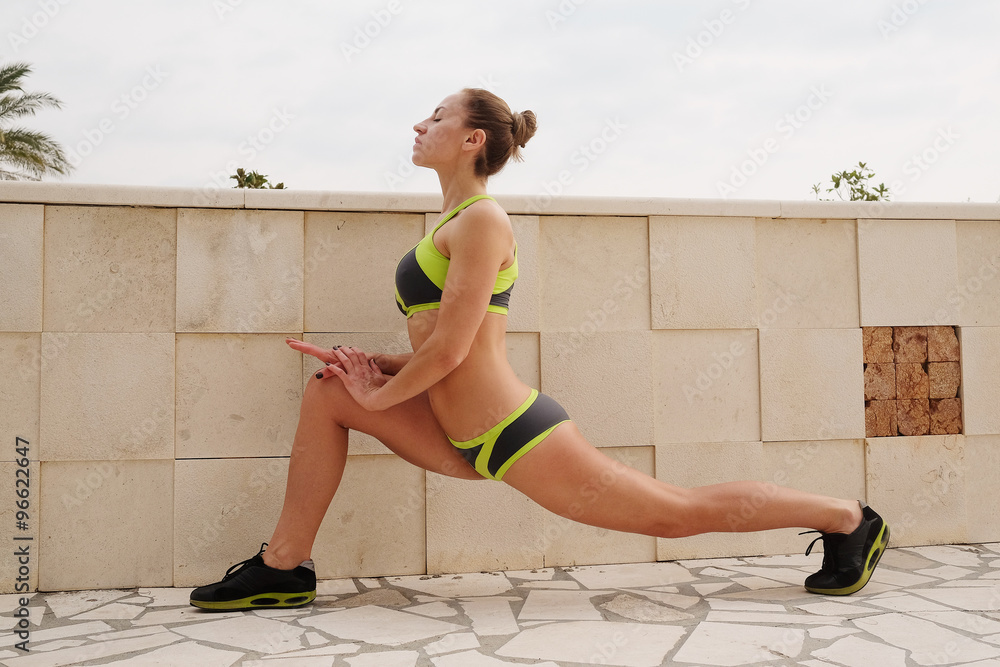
(324, 354)
(361, 376)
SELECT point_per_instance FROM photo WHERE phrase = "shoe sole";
(260, 601)
(873, 557)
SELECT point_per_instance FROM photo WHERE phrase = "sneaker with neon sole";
(849, 559)
(254, 585)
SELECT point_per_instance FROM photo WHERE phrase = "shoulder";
(485, 216)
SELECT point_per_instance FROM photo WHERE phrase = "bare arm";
(391, 364)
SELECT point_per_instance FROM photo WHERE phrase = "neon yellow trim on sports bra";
(421, 273)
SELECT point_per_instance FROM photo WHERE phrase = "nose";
(420, 128)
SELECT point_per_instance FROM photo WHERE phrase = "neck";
(458, 186)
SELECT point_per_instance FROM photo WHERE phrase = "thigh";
(567, 475)
(409, 429)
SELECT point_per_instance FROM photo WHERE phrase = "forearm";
(391, 364)
(420, 372)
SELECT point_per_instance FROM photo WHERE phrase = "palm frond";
(32, 151)
(14, 106)
(11, 75)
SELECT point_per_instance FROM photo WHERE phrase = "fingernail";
(319, 376)
(336, 347)
(327, 363)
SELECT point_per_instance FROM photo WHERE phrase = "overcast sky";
(749, 99)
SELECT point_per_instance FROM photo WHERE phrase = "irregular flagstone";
(49, 634)
(185, 653)
(383, 597)
(976, 624)
(966, 599)
(634, 575)
(928, 643)
(644, 611)
(113, 611)
(772, 619)
(726, 644)
(385, 659)
(672, 599)
(249, 632)
(490, 617)
(89, 652)
(949, 555)
(374, 625)
(78, 602)
(857, 652)
(434, 610)
(595, 642)
(476, 659)
(458, 641)
(455, 585)
(560, 606)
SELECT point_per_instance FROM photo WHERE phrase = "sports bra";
(421, 272)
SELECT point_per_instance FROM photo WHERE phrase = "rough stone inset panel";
(942, 344)
(880, 382)
(946, 416)
(877, 343)
(944, 378)
(880, 419)
(21, 267)
(913, 416)
(909, 344)
(911, 381)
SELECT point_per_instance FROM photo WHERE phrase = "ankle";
(281, 559)
(851, 517)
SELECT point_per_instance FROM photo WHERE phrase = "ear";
(475, 141)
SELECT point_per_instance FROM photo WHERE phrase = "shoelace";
(829, 555)
(239, 566)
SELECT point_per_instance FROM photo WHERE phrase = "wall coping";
(21, 192)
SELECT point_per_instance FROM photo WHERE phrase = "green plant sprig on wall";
(854, 184)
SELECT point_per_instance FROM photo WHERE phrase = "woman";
(456, 407)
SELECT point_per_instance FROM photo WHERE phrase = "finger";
(345, 360)
(323, 354)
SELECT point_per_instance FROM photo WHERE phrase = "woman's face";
(440, 136)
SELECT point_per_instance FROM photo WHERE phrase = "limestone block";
(707, 386)
(15, 477)
(570, 543)
(812, 384)
(945, 416)
(907, 268)
(223, 509)
(523, 355)
(350, 269)
(880, 419)
(223, 407)
(108, 524)
(980, 370)
(21, 267)
(240, 271)
(982, 456)
(703, 273)
(605, 384)
(595, 274)
(975, 297)
(909, 344)
(911, 381)
(828, 467)
(475, 526)
(107, 396)
(942, 344)
(369, 343)
(944, 379)
(920, 486)
(880, 382)
(20, 359)
(366, 536)
(877, 342)
(807, 271)
(699, 464)
(526, 299)
(110, 268)
(913, 416)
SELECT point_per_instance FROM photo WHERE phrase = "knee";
(323, 392)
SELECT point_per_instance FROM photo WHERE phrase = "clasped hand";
(361, 375)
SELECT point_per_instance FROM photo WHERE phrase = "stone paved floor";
(925, 606)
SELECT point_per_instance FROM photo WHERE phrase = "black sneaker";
(253, 585)
(849, 560)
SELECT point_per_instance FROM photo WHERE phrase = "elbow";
(450, 359)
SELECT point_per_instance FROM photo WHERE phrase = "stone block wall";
(148, 386)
